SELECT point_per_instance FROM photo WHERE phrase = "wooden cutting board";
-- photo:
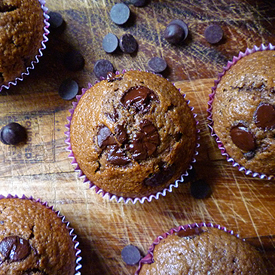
(41, 168)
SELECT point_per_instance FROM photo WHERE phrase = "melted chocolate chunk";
(139, 98)
(14, 248)
(121, 134)
(145, 142)
(243, 138)
(264, 116)
(164, 174)
(190, 233)
(117, 156)
(105, 137)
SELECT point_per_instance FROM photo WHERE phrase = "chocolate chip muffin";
(34, 240)
(201, 250)
(22, 27)
(133, 134)
(243, 111)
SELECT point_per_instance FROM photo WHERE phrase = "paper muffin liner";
(78, 266)
(40, 50)
(149, 258)
(209, 110)
(105, 194)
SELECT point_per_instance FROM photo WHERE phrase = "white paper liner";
(148, 259)
(209, 110)
(63, 219)
(40, 54)
(112, 196)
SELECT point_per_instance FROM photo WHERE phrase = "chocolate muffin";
(201, 250)
(243, 111)
(34, 239)
(22, 28)
(133, 134)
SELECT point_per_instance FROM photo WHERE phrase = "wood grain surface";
(41, 168)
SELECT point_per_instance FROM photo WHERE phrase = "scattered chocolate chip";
(243, 138)
(191, 175)
(74, 61)
(181, 24)
(139, 98)
(139, 3)
(68, 89)
(55, 20)
(174, 33)
(120, 13)
(130, 255)
(157, 64)
(110, 43)
(200, 189)
(128, 43)
(264, 116)
(213, 34)
(190, 233)
(14, 248)
(13, 133)
(102, 68)
(144, 142)
(164, 174)
(105, 137)
(117, 156)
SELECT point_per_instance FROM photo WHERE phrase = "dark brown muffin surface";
(33, 240)
(133, 134)
(204, 251)
(244, 112)
(21, 34)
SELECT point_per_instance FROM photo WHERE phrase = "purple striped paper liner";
(104, 194)
(40, 51)
(149, 258)
(209, 110)
(63, 219)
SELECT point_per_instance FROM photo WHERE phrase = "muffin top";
(21, 34)
(243, 111)
(33, 240)
(204, 250)
(133, 134)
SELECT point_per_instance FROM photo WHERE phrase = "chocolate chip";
(157, 64)
(105, 137)
(120, 13)
(121, 134)
(264, 116)
(110, 43)
(6, 7)
(68, 89)
(130, 255)
(55, 20)
(139, 98)
(213, 34)
(139, 3)
(102, 68)
(128, 43)
(190, 233)
(174, 33)
(74, 61)
(14, 248)
(164, 174)
(242, 138)
(117, 156)
(144, 142)
(200, 189)
(111, 77)
(13, 133)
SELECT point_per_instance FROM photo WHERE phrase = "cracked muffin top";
(203, 250)
(133, 134)
(33, 240)
(244, 112)
(21, 34)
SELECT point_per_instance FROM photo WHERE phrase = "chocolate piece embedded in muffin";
(22, 28)
(133, 134)
(243, 112)
(202, 250)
